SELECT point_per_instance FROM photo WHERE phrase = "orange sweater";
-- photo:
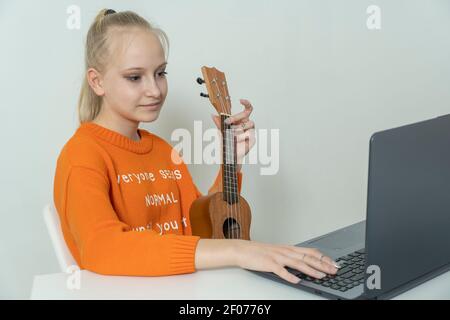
(124, 204)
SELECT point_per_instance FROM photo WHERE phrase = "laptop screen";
(408, 202)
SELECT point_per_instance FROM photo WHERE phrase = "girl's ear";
(95, 81)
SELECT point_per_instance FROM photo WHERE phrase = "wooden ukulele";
(225, 214)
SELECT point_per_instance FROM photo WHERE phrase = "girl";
(122, 193)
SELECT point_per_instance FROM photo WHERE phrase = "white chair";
(63, 254)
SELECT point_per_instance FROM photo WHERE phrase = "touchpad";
(340, 239)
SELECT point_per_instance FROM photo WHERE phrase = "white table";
(225, 283)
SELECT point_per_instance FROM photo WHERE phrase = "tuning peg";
(204, 95)
(200, 80)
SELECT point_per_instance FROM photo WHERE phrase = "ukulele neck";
(229, 164)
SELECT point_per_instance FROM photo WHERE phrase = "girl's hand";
(274, 258)
(244, 130)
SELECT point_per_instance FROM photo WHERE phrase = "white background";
(312, 69)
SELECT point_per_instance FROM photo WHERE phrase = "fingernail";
(322, 275)
(337, 265)
(228, 121)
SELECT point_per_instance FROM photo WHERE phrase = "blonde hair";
(96, 54)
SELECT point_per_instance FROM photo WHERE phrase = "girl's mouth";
(151, 106)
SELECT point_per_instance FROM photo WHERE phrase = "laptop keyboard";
(350, 275)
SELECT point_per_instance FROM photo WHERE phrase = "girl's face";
(134, 83)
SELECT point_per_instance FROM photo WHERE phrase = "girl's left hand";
(244, 130)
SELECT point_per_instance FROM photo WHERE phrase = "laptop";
(405, 239)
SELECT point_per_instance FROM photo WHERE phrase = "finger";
(319, 265)
(243, 136)
(316, 254)
(247, 104)
(216, 120)
(236, 130)
(311, 261)
(252, 140)
(238, 116)
(249, 143)
(243, 149)
(241, 115)
(320, 256)
(250, 133)
(286, 275)
(304, 268)
(243, 125)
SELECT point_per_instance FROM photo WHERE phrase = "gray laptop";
(405, 239)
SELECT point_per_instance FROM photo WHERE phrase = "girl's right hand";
(274, 258)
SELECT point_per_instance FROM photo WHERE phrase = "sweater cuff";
(182, 255)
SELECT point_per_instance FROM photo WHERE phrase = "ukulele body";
(212, 217)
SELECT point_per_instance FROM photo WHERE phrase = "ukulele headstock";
(216, 84)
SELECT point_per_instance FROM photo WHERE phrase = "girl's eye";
(137, 78)
(133, 78)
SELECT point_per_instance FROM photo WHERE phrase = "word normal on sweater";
(124, 204)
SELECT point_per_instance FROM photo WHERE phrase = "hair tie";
(109, 11)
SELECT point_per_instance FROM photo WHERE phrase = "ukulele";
(224, 214)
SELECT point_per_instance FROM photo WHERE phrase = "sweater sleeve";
(110, 246)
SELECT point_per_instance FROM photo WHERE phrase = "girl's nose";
(152, 89)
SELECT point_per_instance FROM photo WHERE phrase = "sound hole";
(231, 229)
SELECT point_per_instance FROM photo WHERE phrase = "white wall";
(312, 69)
